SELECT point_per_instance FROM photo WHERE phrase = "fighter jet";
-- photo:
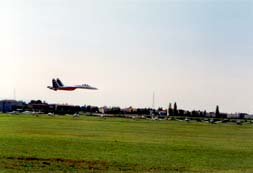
(58, 85)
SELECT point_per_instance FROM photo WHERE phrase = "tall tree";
(175, 109)
(204, 113)
(170, 110)
(217, 112)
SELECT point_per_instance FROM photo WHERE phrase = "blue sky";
(197, 53)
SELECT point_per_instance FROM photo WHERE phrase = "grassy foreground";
(92, 144)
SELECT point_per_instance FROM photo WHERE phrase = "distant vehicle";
(27, 112)
(50, 114)
(58, 85)
(13, 112)
(76, 115)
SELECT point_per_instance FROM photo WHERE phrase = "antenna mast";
(153, 101)
(14, 94)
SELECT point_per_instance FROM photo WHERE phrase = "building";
(104, 110)
(10, 105)
(248, 116)
(42, 107)
(64, 109)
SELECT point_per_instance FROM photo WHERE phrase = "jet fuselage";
(58, 85)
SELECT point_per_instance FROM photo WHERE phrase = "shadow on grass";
(32, 164)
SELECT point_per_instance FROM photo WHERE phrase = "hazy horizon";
(195, 53)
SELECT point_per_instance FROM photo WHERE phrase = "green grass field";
(94, 144)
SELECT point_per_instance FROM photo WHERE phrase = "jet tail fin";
(55, 84)
(59, 82)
